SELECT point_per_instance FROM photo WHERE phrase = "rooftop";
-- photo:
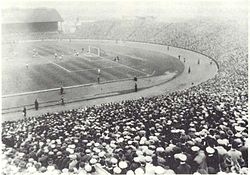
(30, 15)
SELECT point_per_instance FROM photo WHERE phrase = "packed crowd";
(201, 130)
(16, 37)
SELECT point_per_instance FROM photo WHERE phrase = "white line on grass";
(60, 67)
(135, 57)
(101, 68)
(57, 89)
(125, 66)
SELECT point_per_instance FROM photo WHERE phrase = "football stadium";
(132, 95)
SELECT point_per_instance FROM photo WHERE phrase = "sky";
(166, 10)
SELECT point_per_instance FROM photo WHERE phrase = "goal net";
(96, 51)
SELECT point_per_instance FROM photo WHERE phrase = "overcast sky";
(162, 9)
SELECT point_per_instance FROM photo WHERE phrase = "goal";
(94, 50)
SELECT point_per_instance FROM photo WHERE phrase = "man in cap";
(212, 159)
(183, 168)
(59, 160)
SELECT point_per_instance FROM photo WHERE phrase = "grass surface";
(44, 72)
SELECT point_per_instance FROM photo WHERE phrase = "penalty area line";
(60, 66)
(123, 65)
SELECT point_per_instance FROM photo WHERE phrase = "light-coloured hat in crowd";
(117, 170)
(139, 171)
(210, 150)
(130, 172)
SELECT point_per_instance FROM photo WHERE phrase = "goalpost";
(94, 50)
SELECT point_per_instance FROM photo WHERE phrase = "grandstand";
(31, 20)
(199, 128)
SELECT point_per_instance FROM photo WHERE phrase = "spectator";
(36, 104)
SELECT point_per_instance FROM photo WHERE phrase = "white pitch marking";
(55, 89)
(60, 67)
(83, 70)
(125, 66)
(135, 57)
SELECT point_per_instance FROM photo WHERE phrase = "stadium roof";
(30, 15)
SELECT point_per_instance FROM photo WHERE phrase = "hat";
(97, 144)
(139, 171)
(85, 141)
(121, 139)
(88, 168)
(182, 157)
(93, 161)
(199, 140)
(101, 154)
(152, 147)
(160, 149)
(210, 150)
(238, 140)
(112, 145)
(123, 164)
(117, 170)
(51, 153)
(31, 160)
(148, 159)
(113, 160)
(168, 149)
(238, 135)
(73, 156)
(59, 153)
(239, 128)
(88, 151)
(136, 159)
(43, 169)
(72, 146)
(130, 142)
(88, 144)
(71, 151)
(195, 148)
(138, 152)
(141, 158)
(190, 142)
(21, 154)
(96, 150)
(159, 170)
(130, 172)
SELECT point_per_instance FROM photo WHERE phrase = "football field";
(25, 73)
